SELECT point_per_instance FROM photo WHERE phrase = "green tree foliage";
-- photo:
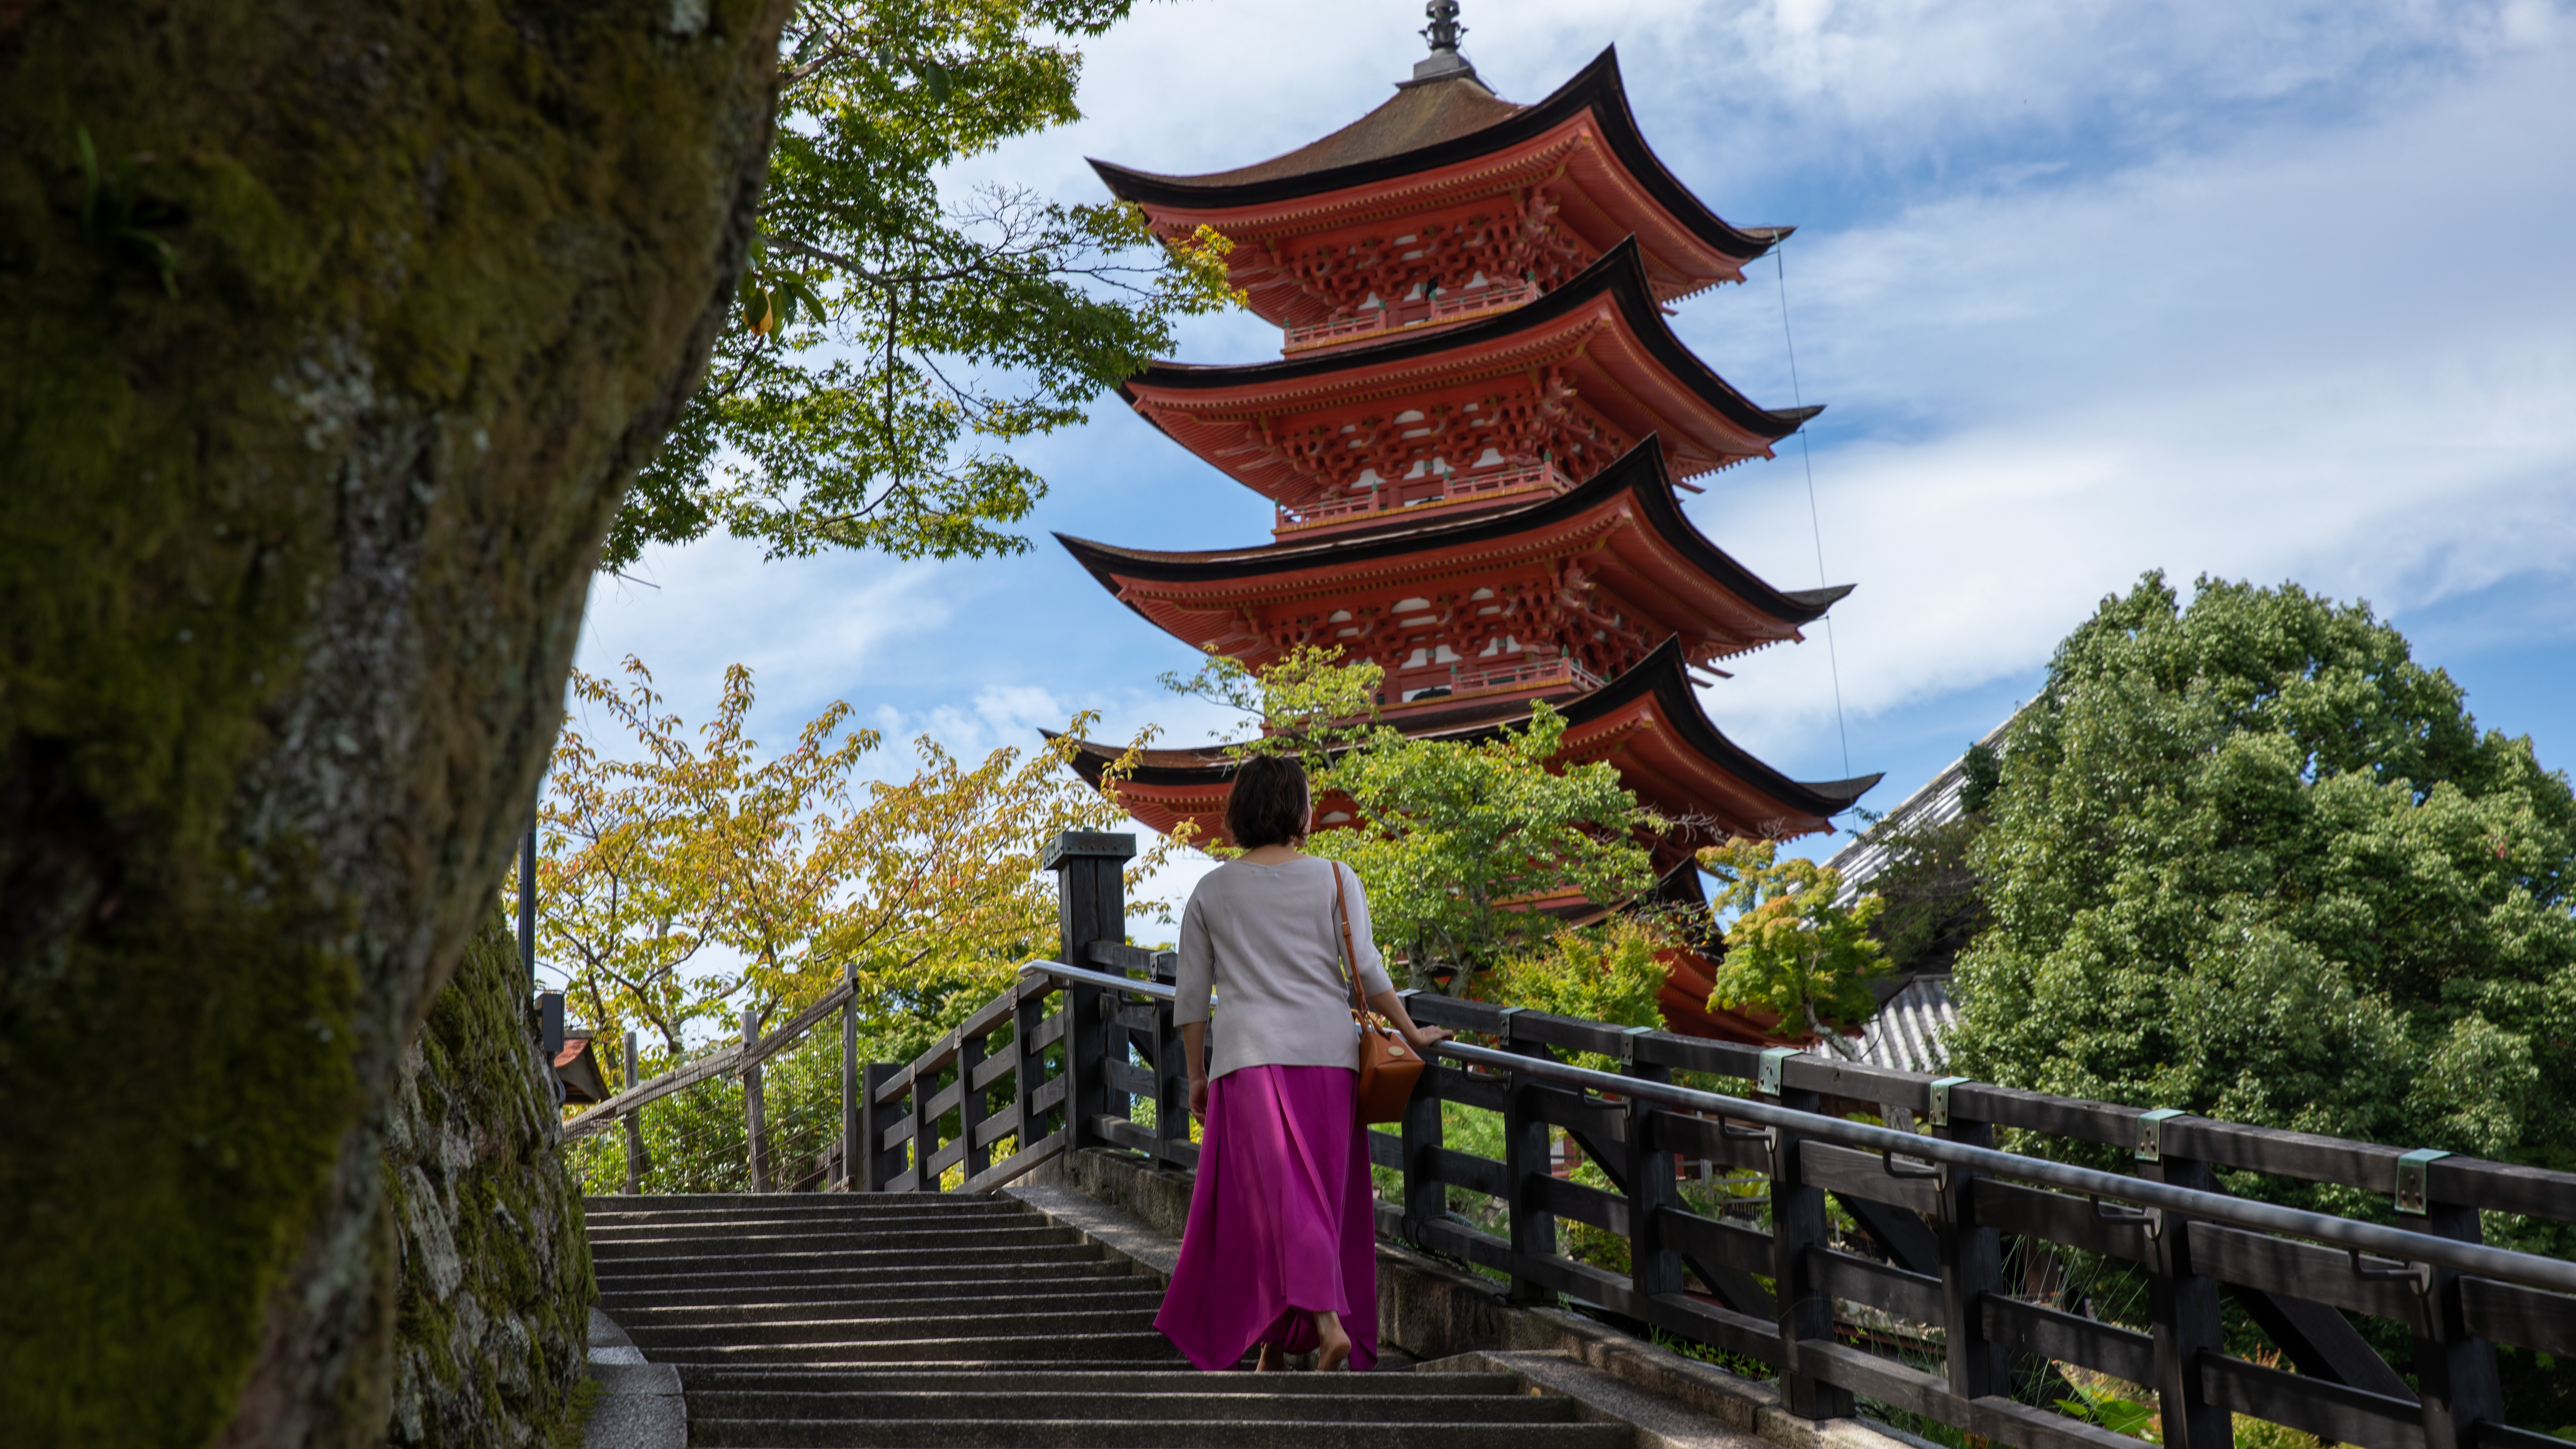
(890, 338)
(1611, 972)
(1789, 948)
(2248, 859)
(1459, 841)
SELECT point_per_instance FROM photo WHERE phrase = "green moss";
(496, 1285)
(321, 369)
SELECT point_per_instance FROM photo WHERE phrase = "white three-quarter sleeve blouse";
(1265, 938)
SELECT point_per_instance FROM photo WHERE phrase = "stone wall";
(496, 1283)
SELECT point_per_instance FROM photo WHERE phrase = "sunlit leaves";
(1789, 949)
(692, 873)
(1462, 843)
(893, 337)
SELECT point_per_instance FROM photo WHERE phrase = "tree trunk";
(329, 337)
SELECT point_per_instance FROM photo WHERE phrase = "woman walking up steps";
(1281, 1244)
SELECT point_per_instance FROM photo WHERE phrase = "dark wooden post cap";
(1088, 845)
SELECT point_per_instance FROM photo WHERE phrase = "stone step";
(856, 1267)
(1124, 1347)
(745, 1245)
(943, 1322)
(1087, 1298)
(1393, 1401)
(819, 1201)
(634, 1307)
(720, 1225)
(1040, 1383)
(1149, 1434)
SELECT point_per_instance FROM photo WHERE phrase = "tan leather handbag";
(1389, 1069)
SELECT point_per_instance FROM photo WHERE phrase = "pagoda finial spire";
(1443, 32)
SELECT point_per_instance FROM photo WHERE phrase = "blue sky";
(2270, 292)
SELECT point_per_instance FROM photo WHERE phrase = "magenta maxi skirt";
(1280, 1221)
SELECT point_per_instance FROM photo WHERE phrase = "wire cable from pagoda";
(1806, 455)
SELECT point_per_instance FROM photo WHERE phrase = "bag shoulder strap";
(1348, 958)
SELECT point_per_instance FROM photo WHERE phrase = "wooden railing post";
(872, 1165)
(755, 1111)
(1028, 1072)
(1652, 1182)
(2184, 1306)
(1525, 1166)
(1091, 905)
(638, 1161)
(856, 1148)
(2455, 1372)
(1972, 1266)
(1426, 1198)
(1806, 1310)
(970, 1103)
(1171, 1074)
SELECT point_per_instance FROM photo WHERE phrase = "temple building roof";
(1575, 378)
(1439, 143)
(1592, 578)
(1647, 723)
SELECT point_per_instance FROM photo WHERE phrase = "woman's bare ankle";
(1334, 1343)
(1272, 1360)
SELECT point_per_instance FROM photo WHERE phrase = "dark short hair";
(1268, 804)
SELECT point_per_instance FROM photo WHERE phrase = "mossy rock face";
(330, 335)
(496, 1283)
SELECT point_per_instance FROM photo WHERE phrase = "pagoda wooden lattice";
(1473, 439)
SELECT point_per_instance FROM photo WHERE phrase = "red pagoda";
(1473, 438)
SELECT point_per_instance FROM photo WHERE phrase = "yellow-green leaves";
(1789, 949)
(689, 873)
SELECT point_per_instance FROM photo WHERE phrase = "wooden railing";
(1086, 1056)
(1447, 307)
(1393, 499)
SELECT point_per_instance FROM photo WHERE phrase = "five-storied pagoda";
(1473, 436)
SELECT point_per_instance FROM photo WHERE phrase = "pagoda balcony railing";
(1390, 499)
(1537, 674)
(1451, 307)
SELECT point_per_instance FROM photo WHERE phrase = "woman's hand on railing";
(1422, 1038)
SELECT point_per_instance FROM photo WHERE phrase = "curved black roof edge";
(1640, 470)
(1597, 86)
(1662, 673)
(1619, 272)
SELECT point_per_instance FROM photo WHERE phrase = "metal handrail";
(2398, 1243)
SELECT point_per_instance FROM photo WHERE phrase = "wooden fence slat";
(1861, 1174)
(1718, 1241)
(2336, 1413)
(1462, 1169)
(1129, 1078)
(1673, 1312)
(1604, 1210)
(2034, 1212)
(1702, 1139)
(1861, 1280)
(2512, 1313)
(1467, 1089)
(1005, 1123)
(1855, 1371)
(1463, 1242)
(2045, 1332)
(1385, 1149)
(2277, 1265)
(1017, 1163)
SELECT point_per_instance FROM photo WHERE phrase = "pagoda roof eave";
(1638, 474)
(1597, 87)
(1658, 682)
(1619, 274)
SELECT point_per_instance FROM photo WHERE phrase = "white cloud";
(2345, 356)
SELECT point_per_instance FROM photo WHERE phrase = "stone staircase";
(973, 1322)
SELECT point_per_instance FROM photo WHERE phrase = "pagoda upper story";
(1447, 203)
(1474, 294)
